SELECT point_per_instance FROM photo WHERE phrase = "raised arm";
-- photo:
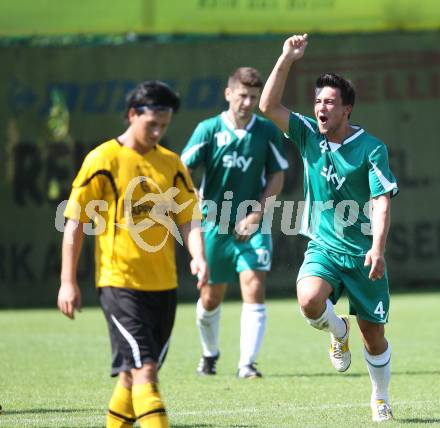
(69, 295)
(380, 223)
(270, 101)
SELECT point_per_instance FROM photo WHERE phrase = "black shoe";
(207, 365)
(248, 372)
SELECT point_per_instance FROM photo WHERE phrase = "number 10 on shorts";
(263, 256)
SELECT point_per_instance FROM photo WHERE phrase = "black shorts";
(140, 325)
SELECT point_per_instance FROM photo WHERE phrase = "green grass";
(55, 372)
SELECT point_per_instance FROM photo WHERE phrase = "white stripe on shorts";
(163, 352)
(131, 341)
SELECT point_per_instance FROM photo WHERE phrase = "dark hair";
(152, 94)
(334, 81)
(247, 76)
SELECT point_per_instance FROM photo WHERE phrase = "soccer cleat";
(207, 365)
(248, 372)
(381, 411)
(340, 354)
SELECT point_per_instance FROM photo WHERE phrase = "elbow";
(264, 107)
(276, 183)
(269, 108)
(281, 184)
(279, 188)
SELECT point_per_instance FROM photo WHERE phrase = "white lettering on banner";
(327, 173)
(235, 161)
(159, 209)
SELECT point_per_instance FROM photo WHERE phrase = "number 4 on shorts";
(379, 310)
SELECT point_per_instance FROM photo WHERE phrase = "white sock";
(380, 373)
(253, 324)
(329, 321)
(208, 323)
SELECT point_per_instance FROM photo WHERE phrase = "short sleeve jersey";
(234, 160)
(137, 202)
(339, 182)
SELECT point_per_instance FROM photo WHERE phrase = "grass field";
(55, 372)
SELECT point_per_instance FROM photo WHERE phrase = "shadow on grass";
(192, 425)
(316, 375)
(42, 411)
(209, 425)
(397, 373)
(418, 421)
(416, 373)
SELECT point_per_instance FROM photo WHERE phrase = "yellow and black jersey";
(136, 203)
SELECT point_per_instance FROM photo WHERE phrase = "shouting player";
(346, 175)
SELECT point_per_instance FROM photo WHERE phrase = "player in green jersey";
(346, 176)
(243, 164)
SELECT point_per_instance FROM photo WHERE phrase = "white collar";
(230, 125)
(352, 137)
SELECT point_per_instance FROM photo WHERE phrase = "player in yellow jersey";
(141, 199)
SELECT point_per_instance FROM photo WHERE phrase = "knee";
(253, 292)
(146, 374)
(312, 305)
(209, 298)
(210, 302)
(126, 379)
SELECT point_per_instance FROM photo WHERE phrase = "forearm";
(275, 84)
(71, 250)
(193, 239)
(380, 223)
(270, 101)
(273, 187)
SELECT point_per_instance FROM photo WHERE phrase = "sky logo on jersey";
(332, 176)
(235, 161)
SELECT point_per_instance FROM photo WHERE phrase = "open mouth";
(322, 118)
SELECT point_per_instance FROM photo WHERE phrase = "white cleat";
(381, 411)
(249, 372)
(340, 354)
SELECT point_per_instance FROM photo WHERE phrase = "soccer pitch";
(54, 372)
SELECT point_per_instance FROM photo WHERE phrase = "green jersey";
(339, 182)
(235, 161)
